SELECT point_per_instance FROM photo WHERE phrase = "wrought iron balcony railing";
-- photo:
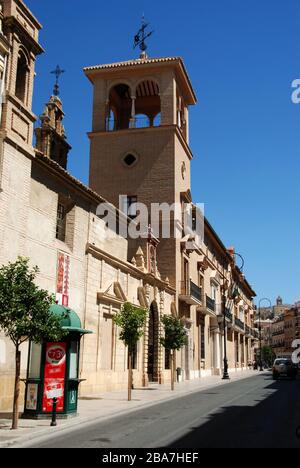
(239, 323)
(210, 304)
(228, 314)
(191, 290)
(196, 291)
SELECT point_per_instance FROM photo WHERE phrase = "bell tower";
(140, 136)
(50, 135)
(21, 32)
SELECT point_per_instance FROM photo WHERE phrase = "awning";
(69, 319)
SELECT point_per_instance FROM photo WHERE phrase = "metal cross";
(141, 36)
(57, 72)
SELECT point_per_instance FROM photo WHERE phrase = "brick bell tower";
(140, 138)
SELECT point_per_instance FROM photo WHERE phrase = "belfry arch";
(119, 108)
(147, 104)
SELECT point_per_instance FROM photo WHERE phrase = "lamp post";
(225, 373)
(259, 329)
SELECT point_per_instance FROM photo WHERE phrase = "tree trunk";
(17, 389)
(174, 367)
(172, 370)
(129, 375)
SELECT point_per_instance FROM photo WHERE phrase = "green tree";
(131, 320)
(267, 355)
(175, 338)
(25, 314)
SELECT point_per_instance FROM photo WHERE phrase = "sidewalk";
(105, 406)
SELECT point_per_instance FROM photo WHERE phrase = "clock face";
(183, 170)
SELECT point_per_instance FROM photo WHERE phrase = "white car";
(283, 367)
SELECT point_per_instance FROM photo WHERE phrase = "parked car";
(284, 368)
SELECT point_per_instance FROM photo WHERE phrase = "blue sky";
(242, 57)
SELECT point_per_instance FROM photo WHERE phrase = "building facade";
(139, 149)
(278, 336)
(292, 328)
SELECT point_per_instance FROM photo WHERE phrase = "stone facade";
(278, 336)
(161, 173)
(50, 217)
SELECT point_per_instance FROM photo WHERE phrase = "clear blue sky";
(245, 132)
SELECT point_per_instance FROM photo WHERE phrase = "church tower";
(140, 138)
(20, 29)
(51, 138)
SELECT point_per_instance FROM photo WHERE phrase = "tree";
(267, 355)
(25, 315)
(131, 320)
(175, 338)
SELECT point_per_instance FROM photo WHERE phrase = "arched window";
(142, 121)
(21, 79)
(119, 108)
(157, 120)
(148, 105)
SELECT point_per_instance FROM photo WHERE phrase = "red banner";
(54, 376)
(63, 278)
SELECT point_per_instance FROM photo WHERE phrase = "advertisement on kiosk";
(54, 377)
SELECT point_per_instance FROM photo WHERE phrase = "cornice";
(128, 268)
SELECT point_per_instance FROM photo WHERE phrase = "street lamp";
(226, 374)
(259, 329)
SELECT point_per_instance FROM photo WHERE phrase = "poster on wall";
(31, 397)
(54, 376)
(63, 278)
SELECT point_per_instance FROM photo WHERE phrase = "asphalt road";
(251, 413)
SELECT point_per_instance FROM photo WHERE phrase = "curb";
(44, 434)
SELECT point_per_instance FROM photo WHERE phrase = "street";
(251, 413)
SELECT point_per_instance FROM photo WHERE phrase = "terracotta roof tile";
(130, 63)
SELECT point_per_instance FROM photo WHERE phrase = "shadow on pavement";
(268, 422)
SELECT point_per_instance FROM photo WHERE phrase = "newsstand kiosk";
(53, 371)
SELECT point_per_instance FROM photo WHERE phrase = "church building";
(139, 153)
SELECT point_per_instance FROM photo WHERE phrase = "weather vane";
(57, 72)
(141, 36)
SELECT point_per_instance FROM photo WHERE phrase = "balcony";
(248, 330)
(190, 293)
(278, 333)
(278, 345)
(210, 304)
(239, 324)
(228, 314)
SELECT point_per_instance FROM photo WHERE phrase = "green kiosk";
(53, 371)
